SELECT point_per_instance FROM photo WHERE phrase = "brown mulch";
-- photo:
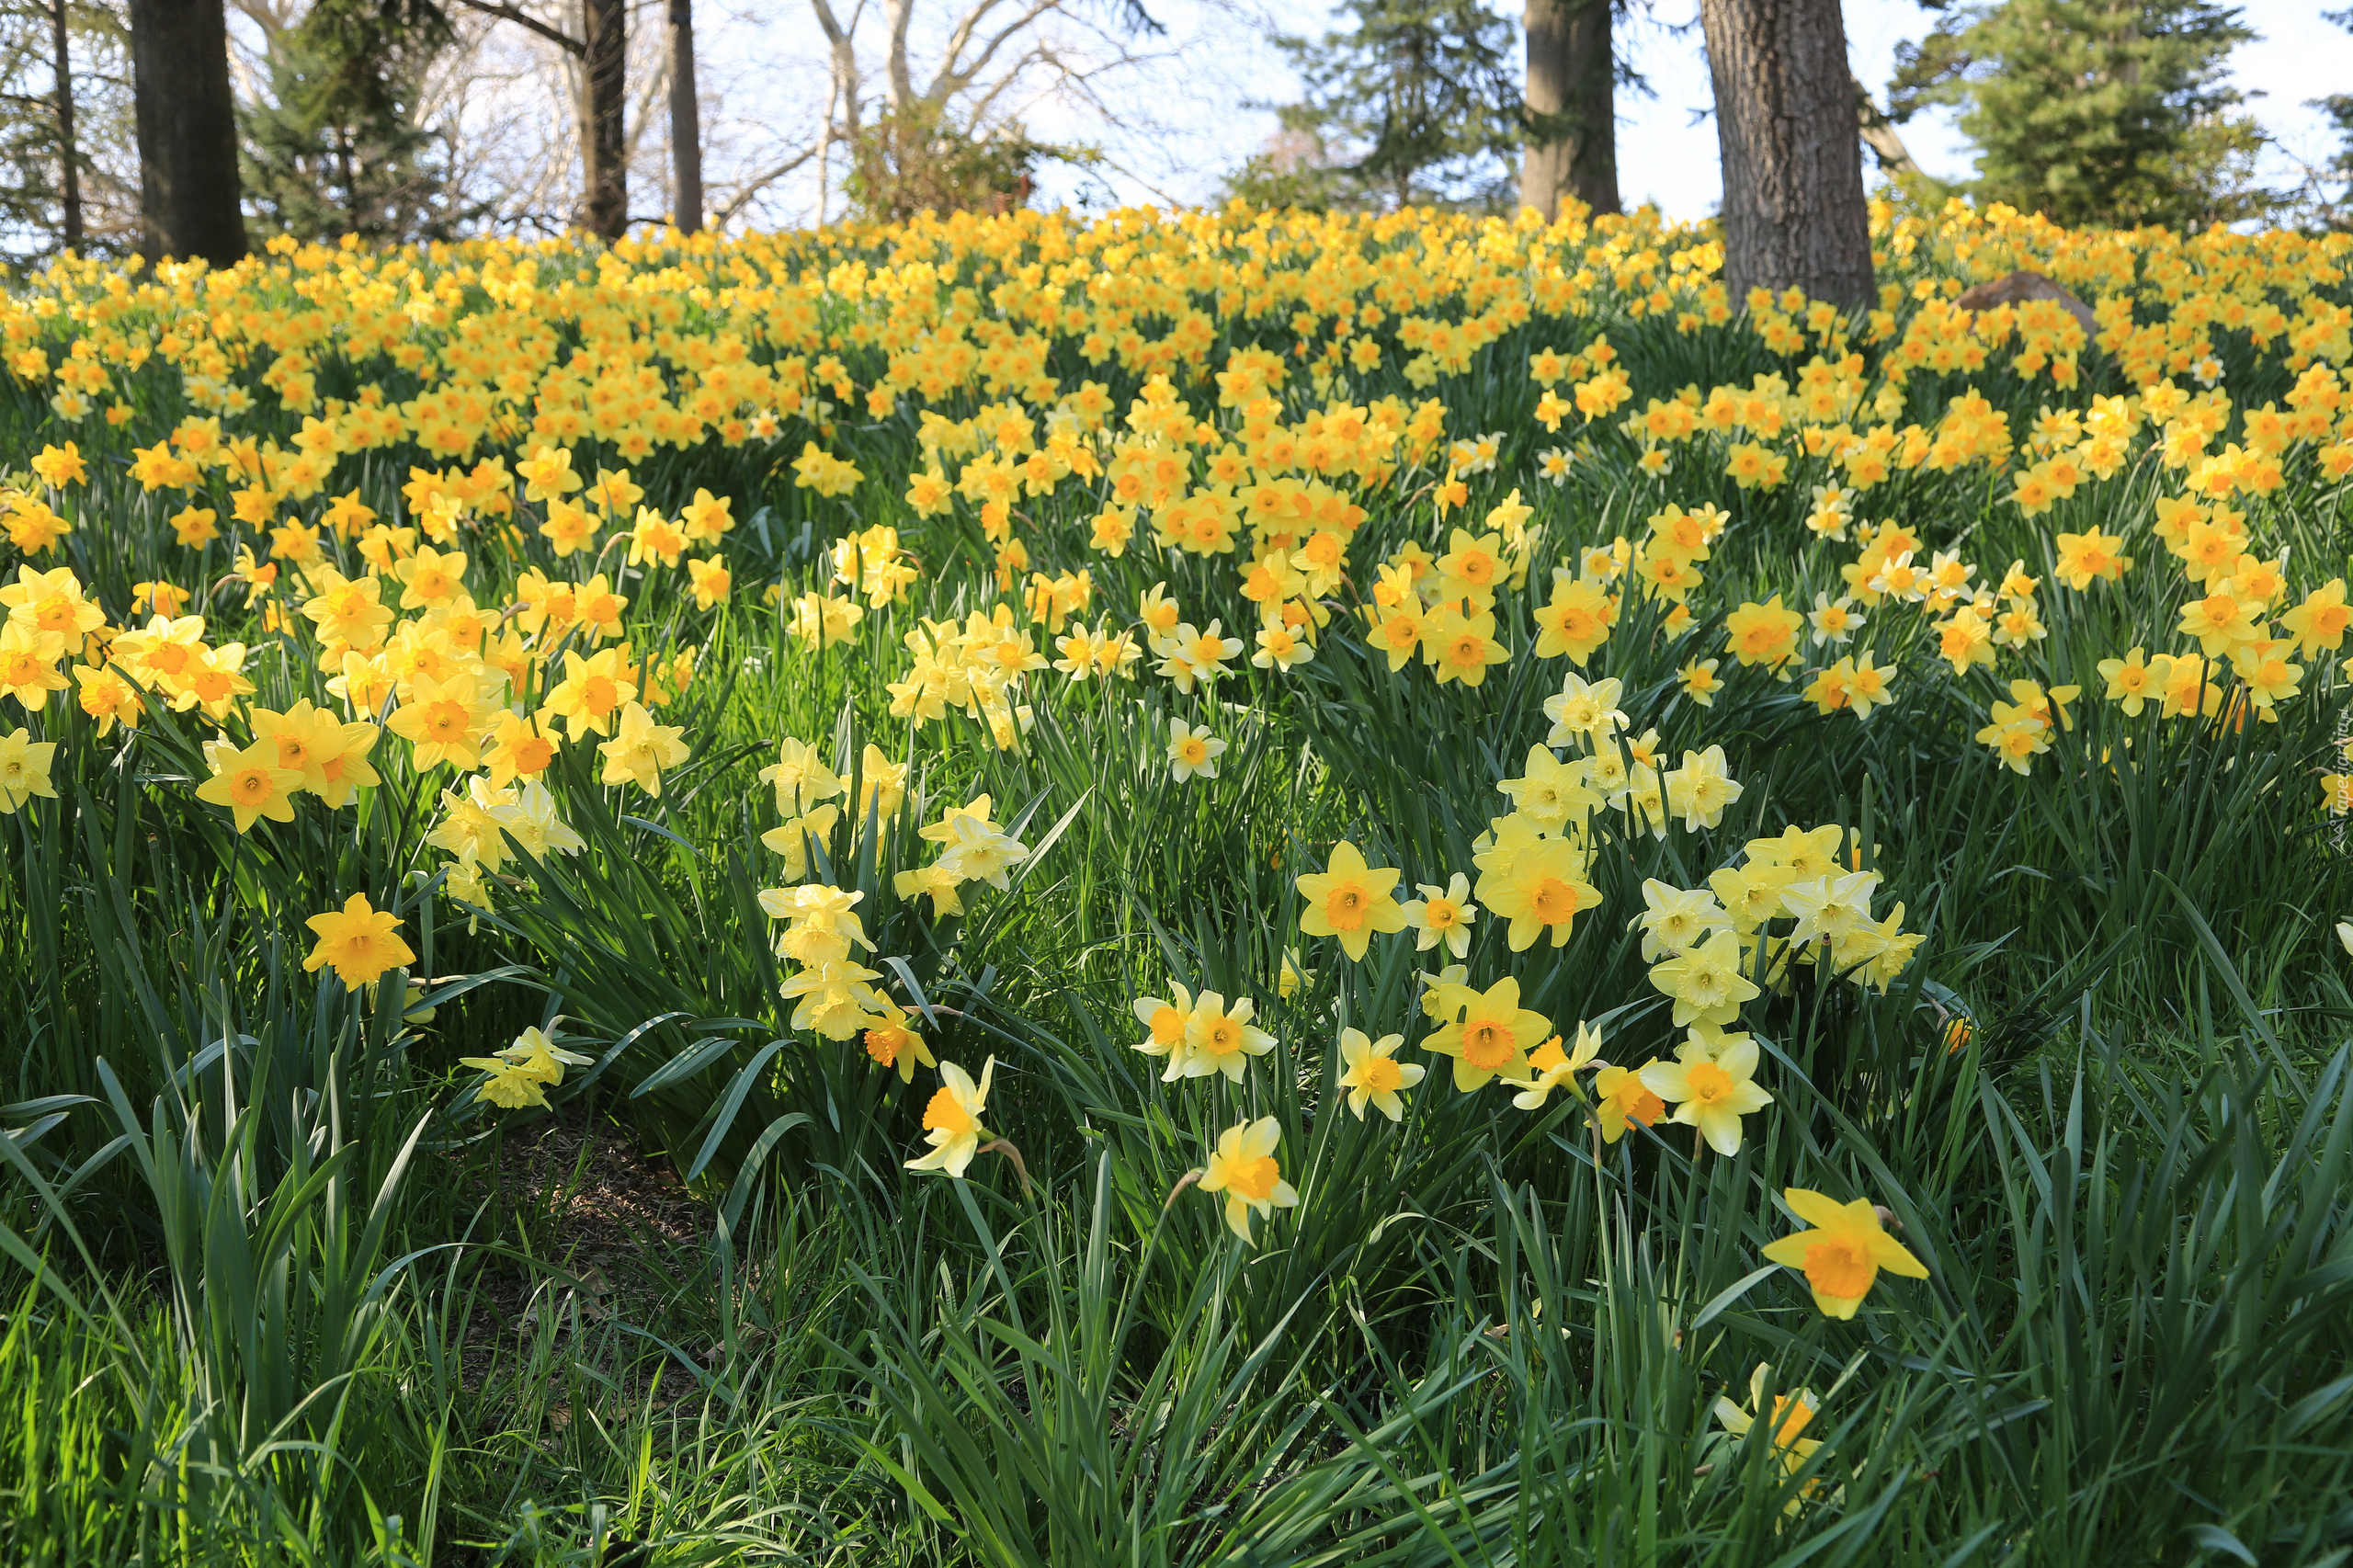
(617, 1222)
(610, 1201)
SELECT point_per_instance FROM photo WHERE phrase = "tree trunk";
(1571, 79)
(187, 132)
(1793, 211)
(604, 152)
(685, 128)
(70, 185)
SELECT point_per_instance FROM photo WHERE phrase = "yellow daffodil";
(641, 748)
(1442, 915)
(1374, 1076)
(25, 765)
(1700, 790)
(1540, 890)
(1166, 1022)
(1488, 1033)
(1705, 979)
(1785, 1423)
(1192, 753)
(1843, 1252)
(892, 1041)
(1243, 1168)
(1554, 1066)
(951, 1121)
(522, 1073)
(1220, 1038)
(1621, 1100)
(252, 784)
(1711, 1088)
(1350, 900)
(359, 941)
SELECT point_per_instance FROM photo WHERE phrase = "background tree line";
(148, 125)
(2107, 111)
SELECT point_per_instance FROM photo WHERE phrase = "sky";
(1205, 99)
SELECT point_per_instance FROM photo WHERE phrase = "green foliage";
(1295, 173)
(1412, 101)
(919, 158)
(31, 141)
(339, 147)
(2096, 111)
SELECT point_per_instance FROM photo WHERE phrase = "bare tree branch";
(953, 79)
(272, 17)
(1880, 135)
(958, 38)
(1109, 162)
(758, 182)
(1038, 54)
(508, 13)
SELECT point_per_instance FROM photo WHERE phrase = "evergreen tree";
(339, 148)
(1414, 101)
(46, 45)
(2096, 111)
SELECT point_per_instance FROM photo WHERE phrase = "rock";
(2022, 286)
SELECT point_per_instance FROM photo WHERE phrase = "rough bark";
(686, 126)
(187, 126)
(604, 63)
(69, 186)
(1793, 211)
(1572, 82)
